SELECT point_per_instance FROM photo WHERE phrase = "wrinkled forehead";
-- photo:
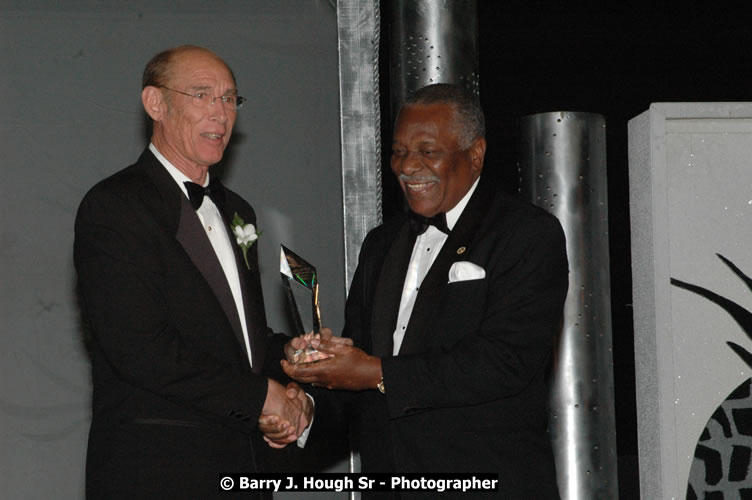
(441, 112)
(197, 63)
(439, 120)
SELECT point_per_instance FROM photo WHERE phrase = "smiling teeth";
(418, 186)
(212, 136)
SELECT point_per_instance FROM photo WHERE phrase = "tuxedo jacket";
(467, 391)
(175, 401)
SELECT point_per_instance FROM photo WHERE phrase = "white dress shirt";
(427, 247)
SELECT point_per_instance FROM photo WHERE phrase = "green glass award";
(302, 286)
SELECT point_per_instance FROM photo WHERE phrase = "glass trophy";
(302, 286)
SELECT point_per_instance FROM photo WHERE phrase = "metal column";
(358, 32)
(563, 169)
(432, 41)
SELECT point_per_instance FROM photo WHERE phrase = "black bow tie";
(215, 190)
(419, 224)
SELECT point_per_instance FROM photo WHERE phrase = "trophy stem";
(319, 324)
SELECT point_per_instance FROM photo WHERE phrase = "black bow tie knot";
(419, 224)
(215, 190)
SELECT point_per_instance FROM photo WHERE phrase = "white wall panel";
(690, 199)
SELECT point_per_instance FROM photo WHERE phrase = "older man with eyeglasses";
(173, 303)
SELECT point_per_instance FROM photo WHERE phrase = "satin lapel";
(192, 237)
(253, 303)
(455, 248)
(386, 300)
(179, 219)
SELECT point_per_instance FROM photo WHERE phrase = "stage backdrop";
(70, 75)
(691, 217)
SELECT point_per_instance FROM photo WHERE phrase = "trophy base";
(300, 355)
(309, 354)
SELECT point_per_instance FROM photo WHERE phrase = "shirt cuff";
(304, 436)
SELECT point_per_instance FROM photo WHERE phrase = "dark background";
(538, 57)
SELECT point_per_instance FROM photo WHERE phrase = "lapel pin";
(461, 250)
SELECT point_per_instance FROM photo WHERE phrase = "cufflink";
(380, 386)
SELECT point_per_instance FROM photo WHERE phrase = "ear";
(154, 104)
(478, 153)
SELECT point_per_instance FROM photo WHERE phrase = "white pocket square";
(464, 271)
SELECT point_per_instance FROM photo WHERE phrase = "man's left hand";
(296, 352)
(348, 368)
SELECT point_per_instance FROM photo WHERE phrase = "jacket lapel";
(388, 293)
(192, 237)
(253, 305)
(458, 244)
(182, 221)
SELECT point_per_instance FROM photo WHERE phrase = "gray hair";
(469, 114)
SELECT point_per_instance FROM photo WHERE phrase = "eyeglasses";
(204, 100)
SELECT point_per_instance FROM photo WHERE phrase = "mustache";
(418, 179)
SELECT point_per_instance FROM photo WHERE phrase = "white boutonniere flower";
(245, 235)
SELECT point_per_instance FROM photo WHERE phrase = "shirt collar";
(179, 177)
(453, 215)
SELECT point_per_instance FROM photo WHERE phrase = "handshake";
(288, 411)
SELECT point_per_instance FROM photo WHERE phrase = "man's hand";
(347, 367)
(286, 414)
(295, 348)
